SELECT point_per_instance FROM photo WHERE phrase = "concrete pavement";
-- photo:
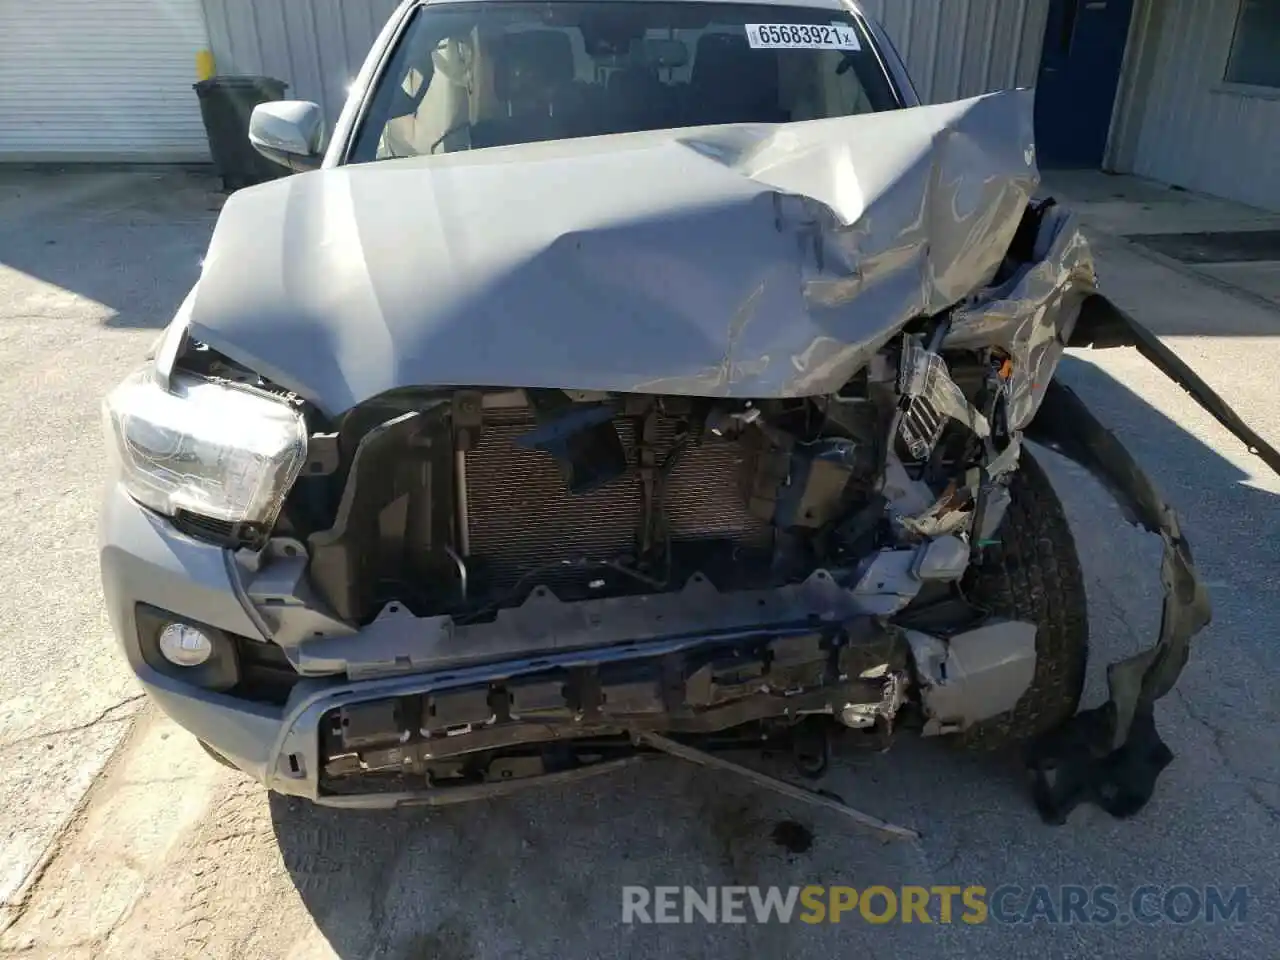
(1120, 207)
(168, 855)
(92, 264)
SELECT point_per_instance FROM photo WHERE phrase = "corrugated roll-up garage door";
(100, 80)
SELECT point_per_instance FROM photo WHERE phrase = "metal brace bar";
(704, 759)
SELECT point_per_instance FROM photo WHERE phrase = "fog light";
(184, 645)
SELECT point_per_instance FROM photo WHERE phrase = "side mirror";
(288, 132)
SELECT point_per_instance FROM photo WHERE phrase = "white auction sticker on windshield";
(802, 36)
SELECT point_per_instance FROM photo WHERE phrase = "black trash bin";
(226, 104)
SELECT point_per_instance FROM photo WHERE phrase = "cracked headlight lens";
(212, 449)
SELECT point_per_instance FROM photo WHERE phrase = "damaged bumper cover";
(400, 712)
(454, 735)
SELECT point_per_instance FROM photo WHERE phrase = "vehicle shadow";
(129, 239)
(542, 873)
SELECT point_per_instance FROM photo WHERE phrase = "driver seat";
(533, 76)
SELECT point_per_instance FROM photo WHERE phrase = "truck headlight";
(213, 449)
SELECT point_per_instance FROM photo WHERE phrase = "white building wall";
(953, 48)
(100, 80)
(316, 46)
(961, 48)
(1195, 131)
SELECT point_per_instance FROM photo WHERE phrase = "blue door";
(1084, 44)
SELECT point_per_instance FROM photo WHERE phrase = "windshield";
(470, 75)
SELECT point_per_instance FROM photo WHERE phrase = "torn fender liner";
(1113, 754)
(1102, 324)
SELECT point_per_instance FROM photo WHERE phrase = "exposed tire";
(1034, 574)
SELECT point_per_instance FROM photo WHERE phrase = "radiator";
(522, 515)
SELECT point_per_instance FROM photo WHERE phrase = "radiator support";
(522, 515)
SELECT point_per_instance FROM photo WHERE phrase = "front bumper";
(697, 681)
(145, 560)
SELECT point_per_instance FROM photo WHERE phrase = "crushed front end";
(464, 550)
(469, 587)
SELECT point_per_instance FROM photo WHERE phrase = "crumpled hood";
(744, 261)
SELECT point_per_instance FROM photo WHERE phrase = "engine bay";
(463, 502)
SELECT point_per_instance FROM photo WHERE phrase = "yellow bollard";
(204, 64)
